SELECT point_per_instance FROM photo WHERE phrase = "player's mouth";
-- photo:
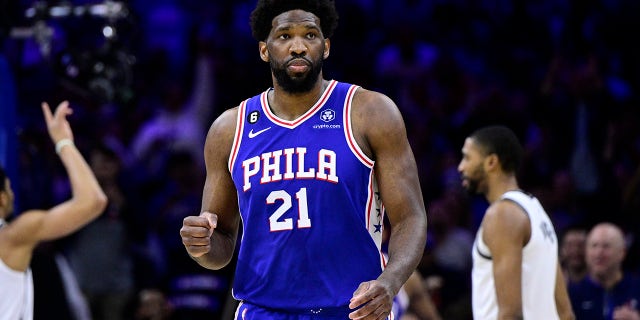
(298, 65)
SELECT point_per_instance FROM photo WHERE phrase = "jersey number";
(277, 224)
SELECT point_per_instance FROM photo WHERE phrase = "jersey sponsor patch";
(327, 115)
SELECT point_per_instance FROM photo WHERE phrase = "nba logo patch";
(327, 115)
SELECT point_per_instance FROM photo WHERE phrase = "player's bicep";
(219, 193)
(27, 229)
(504, 232)
(507, 268)
(219, 197)
(395, 167)
(35, 226)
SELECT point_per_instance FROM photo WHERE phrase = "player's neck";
(499, 185)
(290, 106)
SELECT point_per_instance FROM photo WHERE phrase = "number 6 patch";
(253, 117)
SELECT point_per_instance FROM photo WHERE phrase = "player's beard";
(474, 181)
(472, 187)
(298, 83)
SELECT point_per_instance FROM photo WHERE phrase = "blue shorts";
(248, 311)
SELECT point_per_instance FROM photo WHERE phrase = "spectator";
(104, 247)
(572, 251)
(152, 304)
(180, 123)
(607, 292)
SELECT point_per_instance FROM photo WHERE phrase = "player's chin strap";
(2, 223)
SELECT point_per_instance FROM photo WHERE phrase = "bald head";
(607, 232)
(605, 251)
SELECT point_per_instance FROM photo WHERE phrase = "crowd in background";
(563, 74)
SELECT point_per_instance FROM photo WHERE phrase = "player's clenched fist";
(196, 233)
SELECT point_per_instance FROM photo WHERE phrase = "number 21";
(287, 224)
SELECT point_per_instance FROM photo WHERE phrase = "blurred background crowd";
(146, 79)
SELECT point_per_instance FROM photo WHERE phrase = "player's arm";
(210, 237)
(506, 230)
(86, 203)
(380, 132)
(563, 303)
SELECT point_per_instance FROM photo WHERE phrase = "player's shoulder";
(504, 226)
(220, 136)
(225, 122)
(371, 99)
(506, 207)
(505, 214)
(375, 107)
(23, 227)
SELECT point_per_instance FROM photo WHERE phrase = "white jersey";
(16, 294)
(539, 263)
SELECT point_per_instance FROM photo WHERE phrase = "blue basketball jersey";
(311, 215)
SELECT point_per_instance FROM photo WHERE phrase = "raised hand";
(57, 124)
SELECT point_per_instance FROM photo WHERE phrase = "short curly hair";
(262, 16)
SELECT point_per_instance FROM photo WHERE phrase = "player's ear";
(264, 52)
(327, 48)
(492, 162)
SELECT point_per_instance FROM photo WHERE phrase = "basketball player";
(305, 166)
(19, 237)
(516, 274)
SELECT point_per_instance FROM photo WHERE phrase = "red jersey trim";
(294, 123)
(348, 130)
(238, 136)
